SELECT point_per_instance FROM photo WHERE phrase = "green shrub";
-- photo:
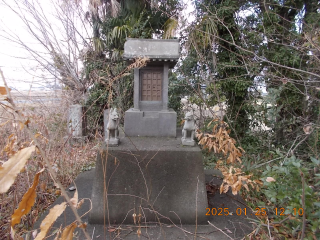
(293, 193)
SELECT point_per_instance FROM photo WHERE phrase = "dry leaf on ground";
(270, 179)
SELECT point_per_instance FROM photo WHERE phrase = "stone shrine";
(151, 176)
(150, 115)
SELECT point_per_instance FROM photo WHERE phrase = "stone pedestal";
(155, 177)
(188, 142)
(150, 123)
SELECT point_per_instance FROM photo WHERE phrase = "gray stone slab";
(163, 184)
(164, 49)
(231, 226)
(150, 123)
(76, 121)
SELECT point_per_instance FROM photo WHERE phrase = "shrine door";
(151, 85)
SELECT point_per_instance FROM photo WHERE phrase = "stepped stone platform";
(156, 177)
(220, 227)
(191, 222)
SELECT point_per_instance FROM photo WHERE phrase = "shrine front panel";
(151, 85)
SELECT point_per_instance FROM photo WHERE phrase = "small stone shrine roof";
(155, 49)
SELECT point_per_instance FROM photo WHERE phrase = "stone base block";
(158, 181)
(112, 141)
(187, 142)
(150, 123)
(76, 141)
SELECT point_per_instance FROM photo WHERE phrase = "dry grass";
(49, 120)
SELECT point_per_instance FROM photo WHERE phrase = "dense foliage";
(112, 23)
(262, 58)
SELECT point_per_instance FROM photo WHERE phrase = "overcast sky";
(19, 67)
(16, 63)
(20, 70)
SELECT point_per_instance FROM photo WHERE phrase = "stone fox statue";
(188, 126)
(112, 126)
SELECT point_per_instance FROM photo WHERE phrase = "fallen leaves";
(46, 224)
(235, 179)
(10, 146)
(220, 142)
(12, 167)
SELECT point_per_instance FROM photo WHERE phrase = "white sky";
(14, 60)
(19, 69)
(9, 62)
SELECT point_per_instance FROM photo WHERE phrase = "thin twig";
(260, 165)
(220, 230)
(300, 142)
(269, 229)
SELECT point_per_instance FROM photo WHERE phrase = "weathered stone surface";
(76, 121)
(105, 122)
(111, 131)
(188, 142)
(113, 142)
(188, 130)
(150, 115)
(234, 226)
(150, 123)
(160, 49)
(156, 177)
